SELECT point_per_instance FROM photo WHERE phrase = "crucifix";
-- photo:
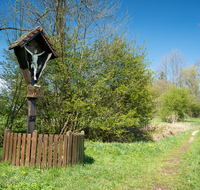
(33, 51)
(34, 64)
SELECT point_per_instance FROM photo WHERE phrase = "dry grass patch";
(163, 130)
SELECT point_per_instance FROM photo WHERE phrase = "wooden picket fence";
(43, 150)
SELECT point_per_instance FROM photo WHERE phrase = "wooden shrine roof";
(27, 37)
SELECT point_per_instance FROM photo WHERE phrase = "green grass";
(107, 166)
(135, 165)
(189, 167)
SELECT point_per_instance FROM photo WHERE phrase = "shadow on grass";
(88, 159)
(131, 134)
(143, 134)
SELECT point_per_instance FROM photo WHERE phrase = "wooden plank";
(69, 148)
(55, 153)
(18, 149)
(73, 149)
(34, 147)
(39, 150)
(60, 150)
(7, 144)
(80, 143)
(28, 149)
(82, 147)
(65, 151)
(23, 149)
(50, 151)
(14, 148)
(77, 147)
(44, 158)
(10, 148)
(4, 144)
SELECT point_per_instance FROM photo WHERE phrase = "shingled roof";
(27, 37)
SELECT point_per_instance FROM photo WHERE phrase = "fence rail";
(43, 150)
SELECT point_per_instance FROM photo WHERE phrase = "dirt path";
(170, 170)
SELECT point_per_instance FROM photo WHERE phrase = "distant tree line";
(177, 86)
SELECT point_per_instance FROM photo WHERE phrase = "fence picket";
(18, 149)
(34, 147)
(14, 148)
(28, 149)
(4, 144)
(69, 148)
(10, 148)
(7, 144)
(23, 149)
(55, 152)
(65, 151)
(50, 151)
(60, 150)
(77, 148)
(73, 149)
(39, 150)
(44, 158)
(82, 147)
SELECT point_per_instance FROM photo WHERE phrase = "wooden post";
(31, 115)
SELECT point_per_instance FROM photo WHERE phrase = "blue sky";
(164, 24)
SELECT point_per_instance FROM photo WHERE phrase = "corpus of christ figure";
(34, 64)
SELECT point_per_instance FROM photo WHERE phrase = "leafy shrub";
(175, 104)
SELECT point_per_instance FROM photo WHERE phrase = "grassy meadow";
(135, 165)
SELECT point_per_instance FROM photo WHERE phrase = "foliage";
(175, 102)
(13, 92)
(109, 97)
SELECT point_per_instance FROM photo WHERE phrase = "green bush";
(175, 104)
(194, 107)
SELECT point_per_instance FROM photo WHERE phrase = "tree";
(101, 82)
(170, 67)
(191, 79)
(121, 97)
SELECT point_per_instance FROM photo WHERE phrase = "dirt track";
(171, 163)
